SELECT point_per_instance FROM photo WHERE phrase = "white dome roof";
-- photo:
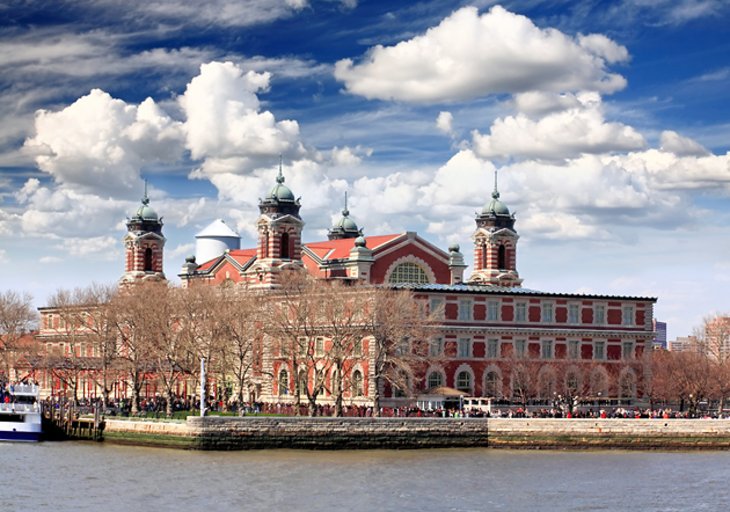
(217, 229)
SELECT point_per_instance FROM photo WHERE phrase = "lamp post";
(202, 387)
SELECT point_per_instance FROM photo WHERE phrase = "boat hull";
(20, 435)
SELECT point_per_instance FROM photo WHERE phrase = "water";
(102, 477)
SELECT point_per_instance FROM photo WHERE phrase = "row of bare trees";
(155, 331)
(698, 374)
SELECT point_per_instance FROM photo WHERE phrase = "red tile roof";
(336, 249)
(240, 256)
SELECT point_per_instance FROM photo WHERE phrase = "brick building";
(495, 338)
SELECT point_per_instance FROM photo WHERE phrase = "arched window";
(435, 380)
(492, 385)
(628, 385)
(357, 383)
(502, 257)
(148, 259)
(402, 386)
(302, 383)
(571, 383)
(463, 382)
(283, 383)
(409, 272)
(285, 246)
(546, 384)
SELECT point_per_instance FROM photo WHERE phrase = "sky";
(608, 124)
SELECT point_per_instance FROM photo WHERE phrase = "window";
(547, 312)
(436, 347)
(357, 348)
(571, 383)
(520, 312)
(599, 350)
(546, 349)
(463, 381)
(404, 347)
(357, 383)
(284, 253)
(492, 385)
(502, 257)
(520, 348)
(319, 347)
(627, 350)
(573, 349)
(408, 273)
(627, 315)
(493, 311)
(465, 309)
(435, 380)
(436, 307)
(303, 345)
(283, 383)
(148, 259)
(302, 383)
(573, 313)
(464, 347)
(599, 314)
(492, 349)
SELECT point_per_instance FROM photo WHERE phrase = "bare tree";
(17, 317)
(713, 339)
(241, 314)
(72, 309)
(294, 333)
(400, 332)
(101, 335)
(129, 314)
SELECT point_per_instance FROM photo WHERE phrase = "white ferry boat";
(20, 413)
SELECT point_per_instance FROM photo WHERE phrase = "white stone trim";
(411, 259)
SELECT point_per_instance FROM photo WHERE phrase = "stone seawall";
(251, 432)
(609, 433)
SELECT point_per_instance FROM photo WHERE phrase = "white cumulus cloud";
(559, 135)
(469, 55)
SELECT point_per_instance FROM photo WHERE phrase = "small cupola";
(280, 200)
(345, 227)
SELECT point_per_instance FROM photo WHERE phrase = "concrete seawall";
(231, 433)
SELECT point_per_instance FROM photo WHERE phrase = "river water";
(78, 476)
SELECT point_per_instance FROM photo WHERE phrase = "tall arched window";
(148, 259)
(502, 257)
(357, 383)
(285, 246)
(463, 382)
(628, 385)
(492, 385)
(302, 383)
(283, 383)
(435, 380)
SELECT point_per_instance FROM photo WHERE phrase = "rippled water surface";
(103, 477)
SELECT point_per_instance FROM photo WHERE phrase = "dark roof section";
(505, 290)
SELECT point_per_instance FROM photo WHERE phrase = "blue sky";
(609, 124)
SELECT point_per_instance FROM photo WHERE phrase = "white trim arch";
(430, 275)
(461, 369)
(499, 389)
(438, 370)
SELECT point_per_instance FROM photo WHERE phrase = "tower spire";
(145, 198)
(345, 212)
(495, 193)
(280, 177)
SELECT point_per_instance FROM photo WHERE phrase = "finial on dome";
(280, 177)
(145, 199)
(345, 212)
(495, 193)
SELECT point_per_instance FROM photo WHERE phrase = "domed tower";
(495, 245)
(279, 235)
(143, 245)
(345, 227)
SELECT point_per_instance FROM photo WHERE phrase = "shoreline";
(253, 433)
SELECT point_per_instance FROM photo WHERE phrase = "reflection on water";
(102, 477)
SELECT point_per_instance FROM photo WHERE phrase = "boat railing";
(15, 407)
